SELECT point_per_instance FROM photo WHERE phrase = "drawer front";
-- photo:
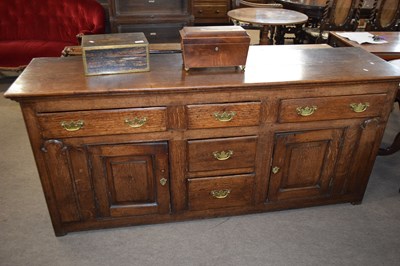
(156, 33)
(221, 154)
(128, 8)
(325, 108)
(220, 192)
(105, 122)
(211, 2)
(223, 115)
(216, 11)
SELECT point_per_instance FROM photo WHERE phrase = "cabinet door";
(130, 179)
(303, 164)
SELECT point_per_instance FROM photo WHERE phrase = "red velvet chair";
(42, 28)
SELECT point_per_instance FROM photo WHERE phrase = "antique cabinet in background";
(211, 11)
(105, 5)
(159, 20)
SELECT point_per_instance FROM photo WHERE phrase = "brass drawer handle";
(223, 155)
(136, 122)
(225, 116)
(220, 194)
(307, 110)
(359, 107)
(72, 125)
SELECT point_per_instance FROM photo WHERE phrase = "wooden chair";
(338, 15)
(384, 16)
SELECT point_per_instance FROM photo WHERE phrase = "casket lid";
(193, 34)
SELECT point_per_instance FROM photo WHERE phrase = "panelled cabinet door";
(303, 164)
(130, 179)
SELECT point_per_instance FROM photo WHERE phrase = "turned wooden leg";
(299, 35)
(395, 146)
(280, 35)
(264, 35)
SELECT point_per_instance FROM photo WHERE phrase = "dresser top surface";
(266, 67)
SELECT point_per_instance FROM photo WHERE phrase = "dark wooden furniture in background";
(387, 51)
(210, 12)
(385, 16)
(337, 15)
(105, 5)
(167, 145)
(266, 4)
(314, 9)
(159, 20)
(254, 30)
(269, 19)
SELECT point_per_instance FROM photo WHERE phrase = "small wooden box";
(214, 46)
(115, 53)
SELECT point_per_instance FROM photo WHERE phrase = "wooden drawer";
(216, 11)
(223, 115)
(102, 122)
(156, 33)
(327, 108)
(220, 192)
(128, 8)
(221, 154)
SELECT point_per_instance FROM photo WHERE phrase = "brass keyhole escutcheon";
(163, 181)
(275, 169)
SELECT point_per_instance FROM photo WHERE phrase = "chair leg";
(264, 35)
(280, 35)
(395, 146)
(299, 35)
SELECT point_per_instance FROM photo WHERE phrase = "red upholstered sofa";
(42, 28)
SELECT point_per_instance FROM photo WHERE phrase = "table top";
(318, 3)
(267, 68)
(268, 16)
(314, 8)
(387, 51)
